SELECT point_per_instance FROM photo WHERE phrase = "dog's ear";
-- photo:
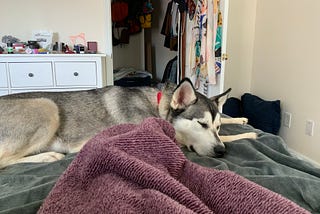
(184, 95)
(221, 98)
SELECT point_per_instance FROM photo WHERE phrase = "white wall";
(67, 18)
(286, 66)
(240, 45)
(130, 55)
(273, 49)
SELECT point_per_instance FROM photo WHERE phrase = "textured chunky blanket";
(140, 169)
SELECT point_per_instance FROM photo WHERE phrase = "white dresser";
(51, 72)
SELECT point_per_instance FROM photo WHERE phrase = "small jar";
(9, 48)
(34, 46)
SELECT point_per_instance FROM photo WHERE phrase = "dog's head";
(195, 117)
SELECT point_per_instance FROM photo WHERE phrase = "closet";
(131, 42)
(134, 54)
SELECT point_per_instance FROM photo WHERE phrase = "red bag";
(134, 26)
(119, 11)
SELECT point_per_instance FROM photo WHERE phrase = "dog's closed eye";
(192, 149)
(204, 125)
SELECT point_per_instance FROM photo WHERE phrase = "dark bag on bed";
(262, 114)
(170, 72)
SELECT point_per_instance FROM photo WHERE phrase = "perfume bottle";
(9, 48)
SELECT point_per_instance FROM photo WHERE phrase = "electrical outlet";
(309, 127)
(287, 119)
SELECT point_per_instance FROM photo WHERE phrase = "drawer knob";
(30, 74)
(75, 74)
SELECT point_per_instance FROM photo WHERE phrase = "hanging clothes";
(203, 34)
(218, 43)
(171, 23)
(169, 27)
(128, 18)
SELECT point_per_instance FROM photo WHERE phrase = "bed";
(266, 176)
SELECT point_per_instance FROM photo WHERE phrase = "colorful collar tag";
(159, 95)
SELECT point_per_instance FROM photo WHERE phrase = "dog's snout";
(219, 151)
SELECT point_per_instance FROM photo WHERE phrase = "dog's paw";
(244, 120)
(41, 158)
(44, 157)
(241, 120)
(50, 156)
(251, 135)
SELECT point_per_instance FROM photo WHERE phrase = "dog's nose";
(219, 151)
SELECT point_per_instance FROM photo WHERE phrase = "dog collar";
(159, 95)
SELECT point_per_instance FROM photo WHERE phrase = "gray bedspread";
(23, 187)
(268, 162)
(265, 161)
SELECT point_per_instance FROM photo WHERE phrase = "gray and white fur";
(44, 126)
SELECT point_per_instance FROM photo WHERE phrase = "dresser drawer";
(3, 92)
(3, 75)
(31, 74)
(18, 91)
(76, 73)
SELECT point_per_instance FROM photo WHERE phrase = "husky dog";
(43, 126)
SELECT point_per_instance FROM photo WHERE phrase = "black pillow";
(232, 107)
(262, 114)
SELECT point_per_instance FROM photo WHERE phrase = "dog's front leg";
(230, 138)
(41, 158)
(235, 120)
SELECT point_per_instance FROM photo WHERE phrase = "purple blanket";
(140, 169)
